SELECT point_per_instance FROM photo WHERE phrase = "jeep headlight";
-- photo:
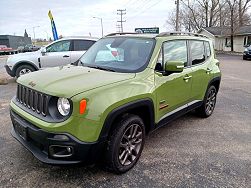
(246, 50)
(64, 106)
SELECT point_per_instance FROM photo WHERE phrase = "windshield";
(120, 54)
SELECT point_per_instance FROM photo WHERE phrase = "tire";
(207, 108)
(125, 144)
(244, 58)
(24, 69)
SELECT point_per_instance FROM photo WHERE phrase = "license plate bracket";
(20, 129)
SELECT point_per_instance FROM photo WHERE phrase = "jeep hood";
(67, 81)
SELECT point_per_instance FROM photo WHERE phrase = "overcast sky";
(75, 17)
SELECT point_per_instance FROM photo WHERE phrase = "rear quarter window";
(82, 45)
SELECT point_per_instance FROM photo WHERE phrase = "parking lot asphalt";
(189, 152)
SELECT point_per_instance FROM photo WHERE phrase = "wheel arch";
(20, 63)
(215, 82)
(143, 108)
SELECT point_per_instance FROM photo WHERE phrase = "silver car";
(58, 53)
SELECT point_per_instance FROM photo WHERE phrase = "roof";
(80, 37)
(219, 31)
(164, 34)
(132, 34)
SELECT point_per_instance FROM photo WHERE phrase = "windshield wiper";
(101, 68)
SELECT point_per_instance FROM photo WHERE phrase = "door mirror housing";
(43, 51)
(174, 66)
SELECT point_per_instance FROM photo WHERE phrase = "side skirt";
(178, 112)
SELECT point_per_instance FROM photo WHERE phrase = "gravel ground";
(189, 152)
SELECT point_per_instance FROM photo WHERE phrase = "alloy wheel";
(211, 100)
(130, 144)
(24, 71)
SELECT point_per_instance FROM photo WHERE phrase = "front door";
(57, 54)
(174, 90)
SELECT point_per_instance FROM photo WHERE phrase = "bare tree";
(195, 14)
(232, 8)
(243, 6)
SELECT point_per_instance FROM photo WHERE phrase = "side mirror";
(174, 66)
(43, 51)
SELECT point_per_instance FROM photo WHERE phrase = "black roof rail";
(124, 33)
(164, 34)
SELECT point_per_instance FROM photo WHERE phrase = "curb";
(229, 53)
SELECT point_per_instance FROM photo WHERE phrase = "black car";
(247, 53)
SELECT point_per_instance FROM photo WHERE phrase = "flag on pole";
(53, 26)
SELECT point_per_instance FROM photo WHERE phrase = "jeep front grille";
(34, 100)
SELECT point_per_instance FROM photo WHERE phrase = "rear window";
(82, 45)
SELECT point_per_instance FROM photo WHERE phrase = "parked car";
(30, 48)
(247, 53)
(4, 49)
(58, 53)
(101, 109)
(20, 49)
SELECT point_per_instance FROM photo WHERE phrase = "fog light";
(68, 149)
(61, 137)
(60, 151)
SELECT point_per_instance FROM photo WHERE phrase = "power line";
(145, 8)
(121, 12)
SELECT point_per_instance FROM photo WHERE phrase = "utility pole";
(101, 22)
(121, 12)
(34, 32)
(177, 2)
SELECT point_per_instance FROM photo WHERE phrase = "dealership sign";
(150, 30)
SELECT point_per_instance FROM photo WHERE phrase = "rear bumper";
(52, 148)
(9, 71)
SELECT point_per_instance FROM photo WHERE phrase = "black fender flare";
(147, 102)
(218, 78)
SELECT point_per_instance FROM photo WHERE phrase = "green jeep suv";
(122, 88)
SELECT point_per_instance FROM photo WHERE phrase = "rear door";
(57, 54)
(79, 48)
(200, 60)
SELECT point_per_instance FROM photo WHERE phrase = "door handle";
(66, 56)
(208, 70)
(187, 77)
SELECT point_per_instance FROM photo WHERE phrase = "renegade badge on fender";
(123, 87)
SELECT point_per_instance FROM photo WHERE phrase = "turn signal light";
(82, 106)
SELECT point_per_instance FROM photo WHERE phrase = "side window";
(175, 50)
(208, 49)
(60, 46)
(82, 45)
(197, 52)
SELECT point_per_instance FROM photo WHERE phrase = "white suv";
(58, 53)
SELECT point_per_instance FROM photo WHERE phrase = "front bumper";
(9, 71)
(246, 55)
(52, 149)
